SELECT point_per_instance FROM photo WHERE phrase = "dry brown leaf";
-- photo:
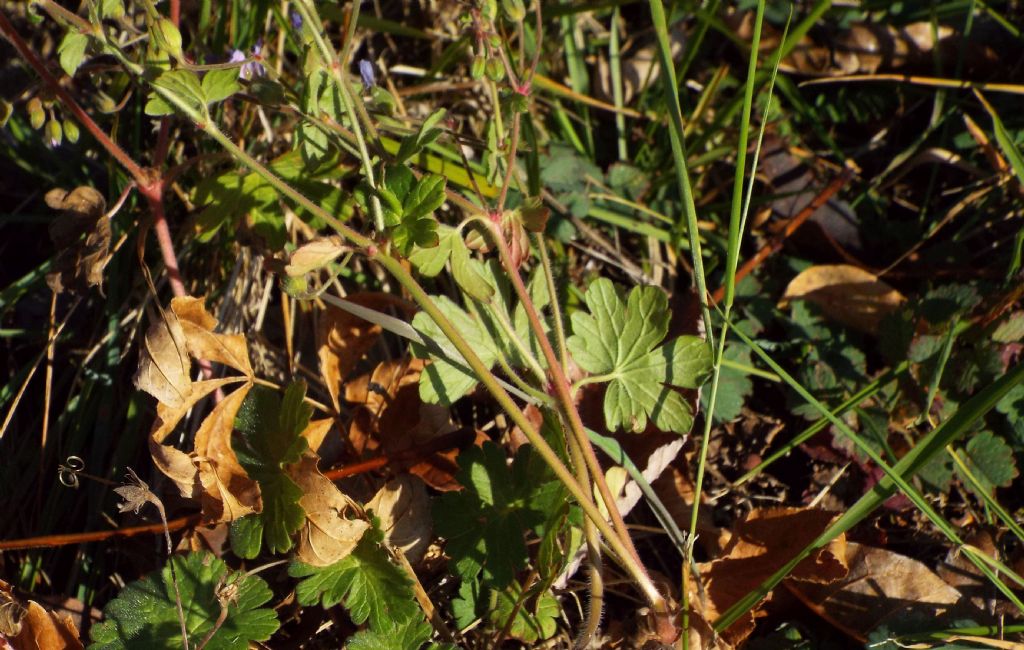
(327, 536)
(312, 256)
(42, 629)
(404, 511)
(164, 366)
(881, 587)
(80, 260)
(760, 545)
(228, 492)
(344, 338)
(845, 293)
(211, 472)
(393, 417)
(203, 343)
(316, 431)
(11, 614)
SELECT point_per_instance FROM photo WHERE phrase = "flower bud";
(54, 134)
(71, 130)
(36, 114)
(169, 36)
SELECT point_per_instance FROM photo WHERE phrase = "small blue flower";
(366, 72)
(296, 18)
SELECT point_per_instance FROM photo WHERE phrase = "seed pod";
(495, 70)
(476, 70)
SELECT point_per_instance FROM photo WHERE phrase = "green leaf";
(443, 382)
(369, 585)
(72, 51)
(218, 85)
(425, 196)
(394, 635)
(424, 136)
(486, 522)
(734, 386)
(467, 273)
(111, 9)
(246, 536)
(182, 83)
(144, 614)
(533, 621)
(227, 198)
(267, 439)
(990, 460)
(430, 261)
(415, 233)
(618, 340)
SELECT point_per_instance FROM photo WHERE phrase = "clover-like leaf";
(486, 522)
(618, 341)
(366, 582)
(144, 614)
(269, 438)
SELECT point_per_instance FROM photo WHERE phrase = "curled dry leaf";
(343, 339)
(848, 294)
(42, 629)
(228, 492)
(314, 255)
(760, 545)
(327, 536)
(164, 366)
(881, 587)
(404, 511)
(82, 237)
(211, 472)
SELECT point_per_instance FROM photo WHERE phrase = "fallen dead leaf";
(404, 511)
(42, 629)
(211, 472)
(80, 260)
(343, 339)
(392, 417)
(758, 546)
(845, 293)
(327, 535)
(881, 587)
(228, 492)
(164, 366)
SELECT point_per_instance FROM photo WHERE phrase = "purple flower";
(296, 18)
(253, 66)
(366, 72)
